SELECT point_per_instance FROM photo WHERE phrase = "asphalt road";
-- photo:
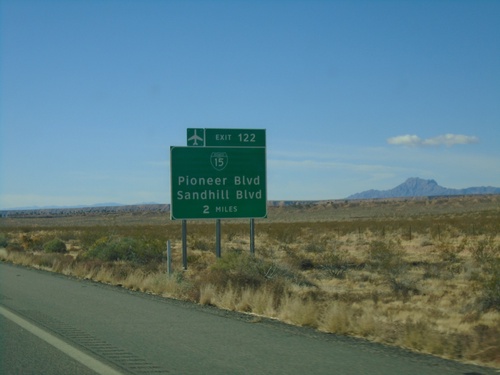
(24, 353)
(52, 324)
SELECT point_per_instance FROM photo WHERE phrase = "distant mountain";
(106, 204)
(418, 187)
(105, 208)
(25, 208)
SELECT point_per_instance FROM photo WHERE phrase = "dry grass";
(424, 280)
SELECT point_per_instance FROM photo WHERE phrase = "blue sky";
(353, 95)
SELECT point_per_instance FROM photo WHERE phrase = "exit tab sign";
(199, 137)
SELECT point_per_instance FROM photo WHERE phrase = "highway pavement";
(53, 324)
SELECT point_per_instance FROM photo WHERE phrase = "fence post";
(169, 259)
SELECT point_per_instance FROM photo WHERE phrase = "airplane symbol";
(195, 138)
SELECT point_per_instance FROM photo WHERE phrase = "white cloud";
(405, 140)
(450, 140)
(446, 139)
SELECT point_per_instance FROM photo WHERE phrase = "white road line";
(78, 355)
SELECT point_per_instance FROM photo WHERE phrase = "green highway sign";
(200, 137)
(218, 182)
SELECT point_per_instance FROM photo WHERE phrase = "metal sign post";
(184, 245)
(217, 239)
(252, 236)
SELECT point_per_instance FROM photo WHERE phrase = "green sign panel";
(218, 182)
(226, 137)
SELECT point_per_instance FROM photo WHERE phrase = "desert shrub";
(203, 245)
(4, 241)
(232, 233)
(110, 249)
(432, 271)
(26, 241)
(315, 247)
(306, 264)
(448, 252)
(240, 269)
(387, 258)
(55, 246)
(15, 246)
(89, 236)
(30, 242)
(490, 285)
(69, 234)
(149, 251)
(116, 248)
(486, 256)
(297, 260)
(334, 264)
(35, 240)
(484, 251)
(284, 234)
